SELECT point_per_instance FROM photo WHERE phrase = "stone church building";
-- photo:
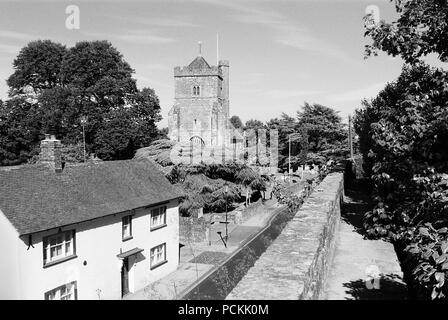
(200, 113)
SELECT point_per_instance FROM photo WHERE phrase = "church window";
(196, 91)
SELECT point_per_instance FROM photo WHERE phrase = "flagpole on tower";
(217, 49)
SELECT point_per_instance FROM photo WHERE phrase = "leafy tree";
(204, 185)
(409, 142)
(236, 122)
(327, 135)
(145, 114)
(421, 29)
(407, 147)
(163, 133)
(20, 123)
(251, 181)
(254, 124)
(285, 125)
(37, 67)
(61, 85)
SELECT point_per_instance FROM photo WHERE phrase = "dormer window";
(196, 91)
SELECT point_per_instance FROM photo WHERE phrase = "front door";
(125, 277)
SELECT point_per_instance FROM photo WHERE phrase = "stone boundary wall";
(193, 229)
(232, 217)
(241, 214)
(295, 266)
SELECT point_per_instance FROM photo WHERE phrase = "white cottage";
(98, 230)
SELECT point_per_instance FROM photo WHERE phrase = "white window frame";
(127, 223)
(65, 292)
(158, 255)
(196, 91)
(65, 241)
(160, 221)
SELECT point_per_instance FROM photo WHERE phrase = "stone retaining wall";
(193, 229)
(241, 214)
(296, 264)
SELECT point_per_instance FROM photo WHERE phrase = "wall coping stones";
(296, 264)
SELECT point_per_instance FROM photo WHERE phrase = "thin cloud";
(154, 66)
(366, 92)
(284, 32)
(144, 81)
(157, 22)
(133, 36)
(16, 35)
(287, 94)
(6, 48)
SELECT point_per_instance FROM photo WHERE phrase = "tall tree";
(37, 67)
(91, 79)
(407, 149)
(421, 29)
(285, 125)
(20, 124)
(327, 135)
(236, 122)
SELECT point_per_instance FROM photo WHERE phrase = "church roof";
(199, 63)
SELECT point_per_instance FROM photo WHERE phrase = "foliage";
(428, 255)
(421, 29)
(317, 136)
(205, 185)
(409, 151)
(404, 141)
(158, 151)
(37, 67)
(223, 282)
(236, 122)
(327, 135)
(246, 260)
(286, 197)
(52, 87)
(210, 194)
(20, 123)
(362, 121)
(285, 125)
(73, 153)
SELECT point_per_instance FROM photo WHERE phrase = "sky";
(281, 53)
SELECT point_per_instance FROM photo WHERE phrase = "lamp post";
(83, 124)
(350, 138)
(226, 189)
(289, 156)
(289, 152)
(225, 243)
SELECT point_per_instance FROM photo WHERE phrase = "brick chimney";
(50, 152)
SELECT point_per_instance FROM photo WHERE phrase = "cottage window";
(59, 247)
(65, 292)
(158, 218)
(127, 227)
(158, 255)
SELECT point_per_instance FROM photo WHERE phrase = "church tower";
(201, 103)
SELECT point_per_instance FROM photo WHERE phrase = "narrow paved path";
(357, 260)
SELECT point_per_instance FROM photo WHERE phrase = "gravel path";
(362, 269)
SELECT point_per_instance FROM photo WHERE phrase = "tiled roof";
(35, 198)
(199, 63)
